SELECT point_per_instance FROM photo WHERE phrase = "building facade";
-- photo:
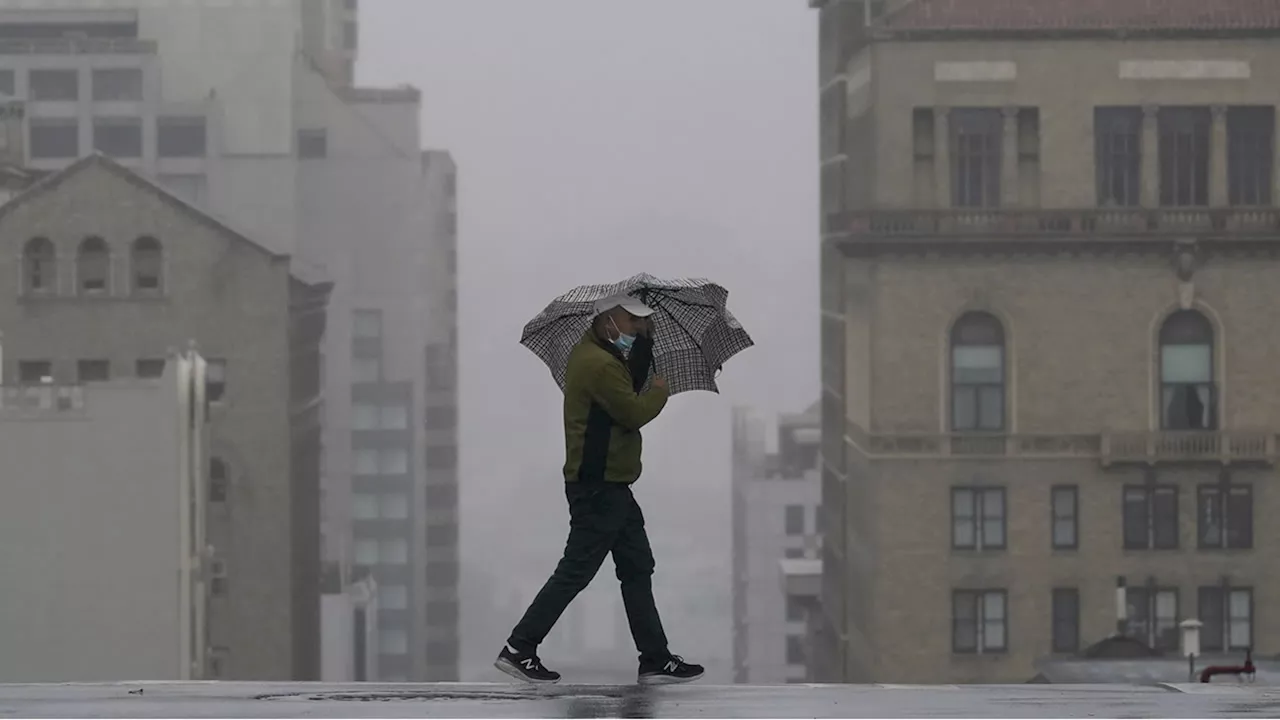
(1046, 358)
(775, 520)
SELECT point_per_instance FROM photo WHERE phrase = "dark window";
(795, 519)
(442, 535)
(1250, 157)
(1184, 156)
(313, 144)
(351, 4)
(1187, 391)
(179, 137)
(1118, 155)
(1065, 501)
(977, 373)
(977, 518)
(149, 368)
(442, 495)
(793, 553)
(147, 259)
(1150, 517)
(1225, 516)
(117, 84)
(218, 578)
(366, 324)
(93, 266)
(350, 35)
(979, 621)
(1153, 616)
(441, 417)
(118, 137)
(442, 457)
(88, 371)
(1066, 620)
(215, 380)
(54, 139)
(217, 481)
(976, 139)
(40, 267)
(796, 651)
(795, 608)
(1227, 614)
(7, 83)
(61, 85)
(32, 372)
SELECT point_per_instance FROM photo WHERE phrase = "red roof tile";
(1085, 15)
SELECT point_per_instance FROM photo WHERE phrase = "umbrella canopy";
(694, 332)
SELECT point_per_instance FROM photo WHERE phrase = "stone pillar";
(941, 157)
(1150, 157)
(1009, 159)
(1218, 183)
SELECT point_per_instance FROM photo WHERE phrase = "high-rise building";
(1047, 355)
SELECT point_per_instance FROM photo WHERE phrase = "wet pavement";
(266, 700)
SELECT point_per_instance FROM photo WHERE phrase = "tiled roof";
(1085, 15)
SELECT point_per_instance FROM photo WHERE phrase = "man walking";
(603, 413)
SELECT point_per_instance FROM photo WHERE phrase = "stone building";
(1049, 246)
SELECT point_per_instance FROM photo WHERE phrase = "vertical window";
(977, 373)
(364, 416)
(1065, 520)
(1066, 620)
(364, 506)
(54, 138)
(796, 651)
(977, 518)
(366, 551)
(147, 261)
(54, 85)
(1250, 139)
(33, 372)
(393, 461)
(393, 597)
(93, 266)
(1118, 155)
(1150, 517)
(181, 137)
(7, 86)
(350, 35)
(117, 84)
(313, 144)
(365, 461)
(394, 417)
(393, 552)
(1187, 391)
(215, 380)
(218, 578)
(976, 140)
(365, 370)
(979, 621)
(149, 368)
(1225, 514)
(218, 481)
(39, 266)
(366, 324)
(1153, 616)
(118, 137)
(1184, 156)
(1227, 614)
(88, 371)
(192, 188)
(393, 506)
(795, 519)
(393, 641)
(795, 609)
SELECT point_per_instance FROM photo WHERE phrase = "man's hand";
(659, 382)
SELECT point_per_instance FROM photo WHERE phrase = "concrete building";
(775, 525)
(1047, 355)
(107, 272)
(101, 510)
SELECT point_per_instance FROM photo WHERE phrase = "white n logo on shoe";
(527, 663)
(671, 666)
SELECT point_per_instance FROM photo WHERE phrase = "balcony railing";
(1257, 221)
(79, 46)
(42, 398)
(1224, 447)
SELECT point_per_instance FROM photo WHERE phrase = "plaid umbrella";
(694, 333)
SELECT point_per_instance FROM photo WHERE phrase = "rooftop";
(1073, 16)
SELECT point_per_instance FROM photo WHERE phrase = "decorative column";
(1009, 159)
(1150, 180)
(941, 157)
(1218, 187)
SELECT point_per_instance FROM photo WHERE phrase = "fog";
(597, 139)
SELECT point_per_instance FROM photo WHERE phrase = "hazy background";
(597, 139)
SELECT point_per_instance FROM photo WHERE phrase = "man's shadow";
(627, 702)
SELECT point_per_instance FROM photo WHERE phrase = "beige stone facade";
(1106, 207)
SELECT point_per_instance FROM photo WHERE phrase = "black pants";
(603, 518)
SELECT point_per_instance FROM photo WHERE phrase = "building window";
(442, 457)
(976, 140)
(793, 553)
(117, 84)
(1250, 158)
(441, 417)
(147, 260)
(93, 266)
(365, 461)
(40, 266)
(218, 578)
(794, 520)
(1184, 156)
(1225, 515)
(364, 416)
(366, 552)
(394, 417)
(190, 188)
(977, 373)
(977, 519)
(218, 481)
(979, 622)
(393, 506)
(393, 552)
(1118, 155)
(442, 495)
(215, 380)
(350, 35)
(7, 85)
(365, 371)
(1066, 620)
(795, 609)
(181, 137)
(366, 324)
(313, 144)
(393, 641)
(33, 372)
(393, 461)
(1187, 392)
(796, 651)
(1150, 517)
(54, 139)
(1153, 616)
(364, 506)
(1065, 521)
(393, 597)
(149, 368)
(118, 137)
(88, 371)
(442, 535)
(1227, 614)
(54, 85)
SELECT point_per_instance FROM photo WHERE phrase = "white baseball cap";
(626, 302)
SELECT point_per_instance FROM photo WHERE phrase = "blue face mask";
(624, 341)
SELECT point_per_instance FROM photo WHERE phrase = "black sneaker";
(525, 667)
(672, 671)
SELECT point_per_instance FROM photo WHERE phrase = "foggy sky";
(597, 139)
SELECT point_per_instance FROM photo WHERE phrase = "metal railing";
(79, 46)
(1244, 221)
(42, 398)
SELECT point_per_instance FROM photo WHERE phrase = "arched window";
(39, 266)
(977, 374)
(217, 481)
(148, 264)
(93, 266)
(1188, 396)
